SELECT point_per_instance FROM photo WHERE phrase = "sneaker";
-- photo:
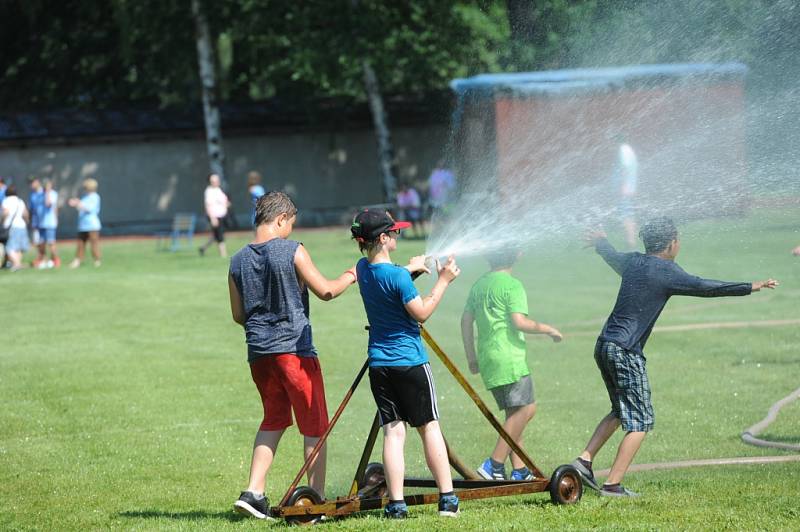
(616, 490)
(448, 506)
(251, 504)
(522, 473)
(587, 475)
(56, 262)
(487, 471)
(75, 263)
(396, 510)
(97, 264)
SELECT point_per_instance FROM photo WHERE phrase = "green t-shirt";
(501, 347)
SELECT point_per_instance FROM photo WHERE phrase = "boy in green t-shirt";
(498, 305)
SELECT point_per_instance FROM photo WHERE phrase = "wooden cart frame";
(303, 505)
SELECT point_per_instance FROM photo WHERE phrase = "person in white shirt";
(15, 219)
(216, 203)
(627, 180)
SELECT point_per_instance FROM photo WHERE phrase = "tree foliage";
(123, 52)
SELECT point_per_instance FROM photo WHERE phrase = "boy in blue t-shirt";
(44, 204)
(399, 373)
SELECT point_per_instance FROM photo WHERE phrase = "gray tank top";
(275, 301)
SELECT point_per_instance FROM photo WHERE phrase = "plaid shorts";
(625, 375)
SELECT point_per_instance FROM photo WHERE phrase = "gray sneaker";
(587, 475)
(618, 490)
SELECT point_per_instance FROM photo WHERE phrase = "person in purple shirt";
(648, 281)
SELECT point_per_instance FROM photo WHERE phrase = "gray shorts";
(514, 395)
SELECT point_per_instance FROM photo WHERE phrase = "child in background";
(399, 373)
(48, 223)
(88, 222)
(268, 284)
(255, 191)
(648, 281)
(216, 204)
(410, 207)
(498, 304)
(35, 206)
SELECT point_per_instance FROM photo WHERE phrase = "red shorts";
(287, 382)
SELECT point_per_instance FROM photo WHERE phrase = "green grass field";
(128, 404)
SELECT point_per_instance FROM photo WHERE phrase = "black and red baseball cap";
(369, 224)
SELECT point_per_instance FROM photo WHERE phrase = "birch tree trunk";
(208, 78)
(385, 149)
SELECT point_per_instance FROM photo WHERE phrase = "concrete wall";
(144, 182)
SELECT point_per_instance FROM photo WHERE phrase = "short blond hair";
(90, 184)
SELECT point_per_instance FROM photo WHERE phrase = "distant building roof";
(582, 79)
(69, 125)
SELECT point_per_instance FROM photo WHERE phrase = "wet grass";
(128, 403)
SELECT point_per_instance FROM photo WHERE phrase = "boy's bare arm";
(237, 308)
(468, 338)
(422, 308)
(523, 323)
(323, 288)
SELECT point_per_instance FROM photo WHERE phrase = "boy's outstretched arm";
(617, 260)
(421, 308)
(523, 323)
(468, 338)
(237, 308)
(322, 287)
(681, 283)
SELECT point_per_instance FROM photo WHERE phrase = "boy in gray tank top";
(268, 283)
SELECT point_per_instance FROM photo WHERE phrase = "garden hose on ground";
(749, 435)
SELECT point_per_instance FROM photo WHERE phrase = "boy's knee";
(428, 427)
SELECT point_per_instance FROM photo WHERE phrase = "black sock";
(397, 502)
(585, 463)
(612, 487)
(445, 494)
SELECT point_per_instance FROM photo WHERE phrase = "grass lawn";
(128, 404)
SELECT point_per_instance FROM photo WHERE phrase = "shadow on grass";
(195, 515)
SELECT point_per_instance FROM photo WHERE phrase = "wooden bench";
(183, 225)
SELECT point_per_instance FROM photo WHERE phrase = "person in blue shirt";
(48, 223)
(255, 190)
(89, 225)
(399, 372)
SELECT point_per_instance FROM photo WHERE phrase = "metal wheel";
(374, 481)
(565, 485)
(303, 496)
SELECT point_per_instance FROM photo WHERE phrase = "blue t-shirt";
(48, 218)
(36, 207)
(256, 191)
(394, 338)
(89, 213)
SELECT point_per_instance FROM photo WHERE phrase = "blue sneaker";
(487, 471)
(448, 506)
(522, 473)
(396, 510)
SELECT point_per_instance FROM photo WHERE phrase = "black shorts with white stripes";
(404, 393)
